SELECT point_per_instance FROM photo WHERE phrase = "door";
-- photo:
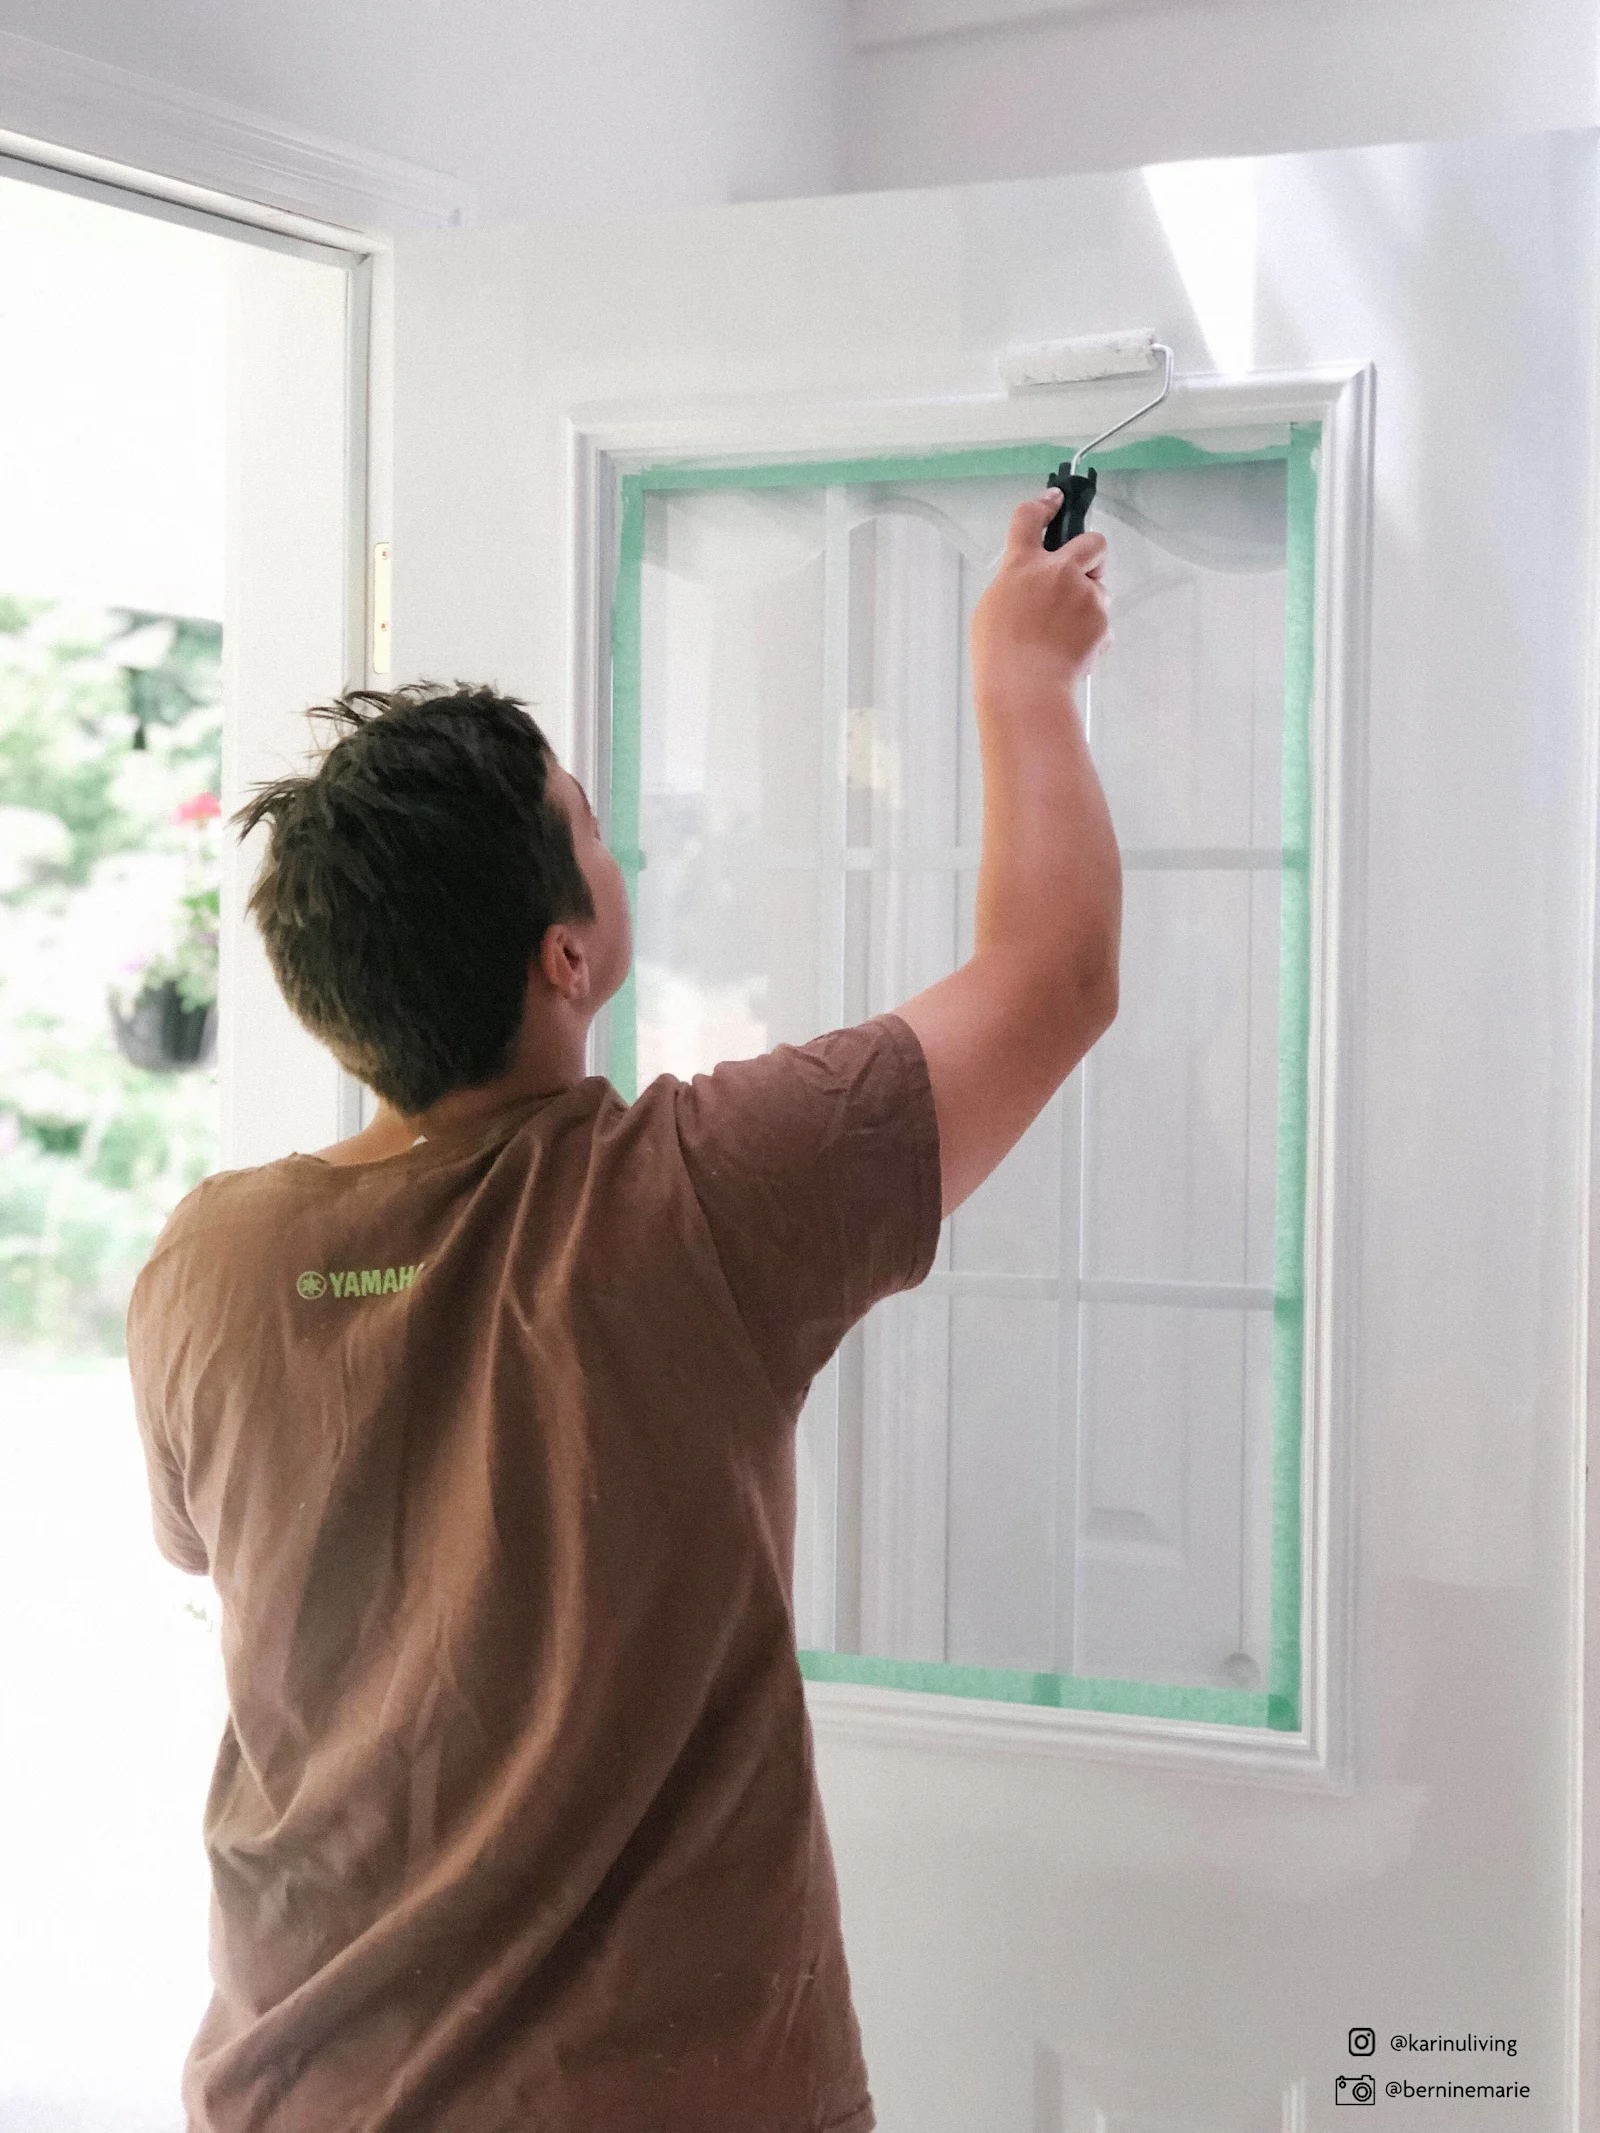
(1187, 1585)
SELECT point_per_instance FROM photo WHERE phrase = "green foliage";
(191, 961)
(110, 743)
(57, 1136)
(70, 1247)
(71, 716)
(185, 676)
(135, 1148)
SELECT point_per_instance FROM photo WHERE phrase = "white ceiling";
(885, 22)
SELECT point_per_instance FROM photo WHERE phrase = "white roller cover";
(1092, 355)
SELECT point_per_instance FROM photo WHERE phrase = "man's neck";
(542, 1069)
(463, 1109)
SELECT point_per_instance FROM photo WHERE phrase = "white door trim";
(69, 112)
(1583, 1939)
(604, 443)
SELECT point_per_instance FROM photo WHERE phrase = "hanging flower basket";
(161, 1033)
(164, 1014)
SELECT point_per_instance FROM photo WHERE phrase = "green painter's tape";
(1278, 1707)
(1294, 1087)
(622, 1025)
(990, 462)
(1056, 1692)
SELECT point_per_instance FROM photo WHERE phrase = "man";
(482, 1423)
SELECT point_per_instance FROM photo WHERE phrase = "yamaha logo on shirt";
(358, 1281)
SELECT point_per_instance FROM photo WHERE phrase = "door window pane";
(1058, 1471)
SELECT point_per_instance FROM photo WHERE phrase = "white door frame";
(1584, 1939)
(604, 442)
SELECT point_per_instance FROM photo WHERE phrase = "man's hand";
(1043, 615)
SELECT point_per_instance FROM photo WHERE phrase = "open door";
(1186, 1581)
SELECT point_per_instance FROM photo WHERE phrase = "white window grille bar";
(1064, 1620)
(966, 858)
(1074, 1493)
(1039, 1287)
(834, 1532)
(1162, 859)
(824, 1398)
(1177, 1295)
(832, 770)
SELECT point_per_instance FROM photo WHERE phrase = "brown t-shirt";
(489, 1451)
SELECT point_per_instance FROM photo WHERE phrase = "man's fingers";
(1088, 551)
(1029, 520)
(1028, 523)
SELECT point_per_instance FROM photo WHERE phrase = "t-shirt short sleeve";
(169, 1515)
(817, 1167)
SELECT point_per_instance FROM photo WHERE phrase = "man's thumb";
(1030, 519)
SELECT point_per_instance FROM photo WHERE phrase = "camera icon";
(1355, 2088)
(1363, 2043)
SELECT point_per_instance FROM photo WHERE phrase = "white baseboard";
(107, 119)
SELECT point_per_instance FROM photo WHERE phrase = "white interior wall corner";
(617, 107)
(1065, 87)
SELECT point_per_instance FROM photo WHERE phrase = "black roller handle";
(1077, 492)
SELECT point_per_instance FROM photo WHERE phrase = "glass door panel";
(1059, 1470)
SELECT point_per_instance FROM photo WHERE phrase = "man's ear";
(563, 962)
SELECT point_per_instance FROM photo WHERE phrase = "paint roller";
(1076, 362)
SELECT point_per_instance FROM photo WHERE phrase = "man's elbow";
(1103, 950)
(1100, 979)
(1102, 998)
(1085, 1006)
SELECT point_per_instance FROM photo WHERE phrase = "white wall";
(616, 104)
(623, 105)
(1126, 82)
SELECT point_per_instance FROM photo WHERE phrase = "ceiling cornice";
(82, 105)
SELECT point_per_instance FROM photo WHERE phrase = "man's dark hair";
(409, 882)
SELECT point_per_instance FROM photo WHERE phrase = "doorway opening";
(131, 565)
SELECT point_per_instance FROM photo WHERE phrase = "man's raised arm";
(1003, 1032)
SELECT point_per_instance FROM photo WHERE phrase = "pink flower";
(204, 807)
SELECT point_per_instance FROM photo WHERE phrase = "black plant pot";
(162, 1035)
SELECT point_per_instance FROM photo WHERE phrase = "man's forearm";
(1050, 880)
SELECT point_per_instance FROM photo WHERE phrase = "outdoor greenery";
(110, 763)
